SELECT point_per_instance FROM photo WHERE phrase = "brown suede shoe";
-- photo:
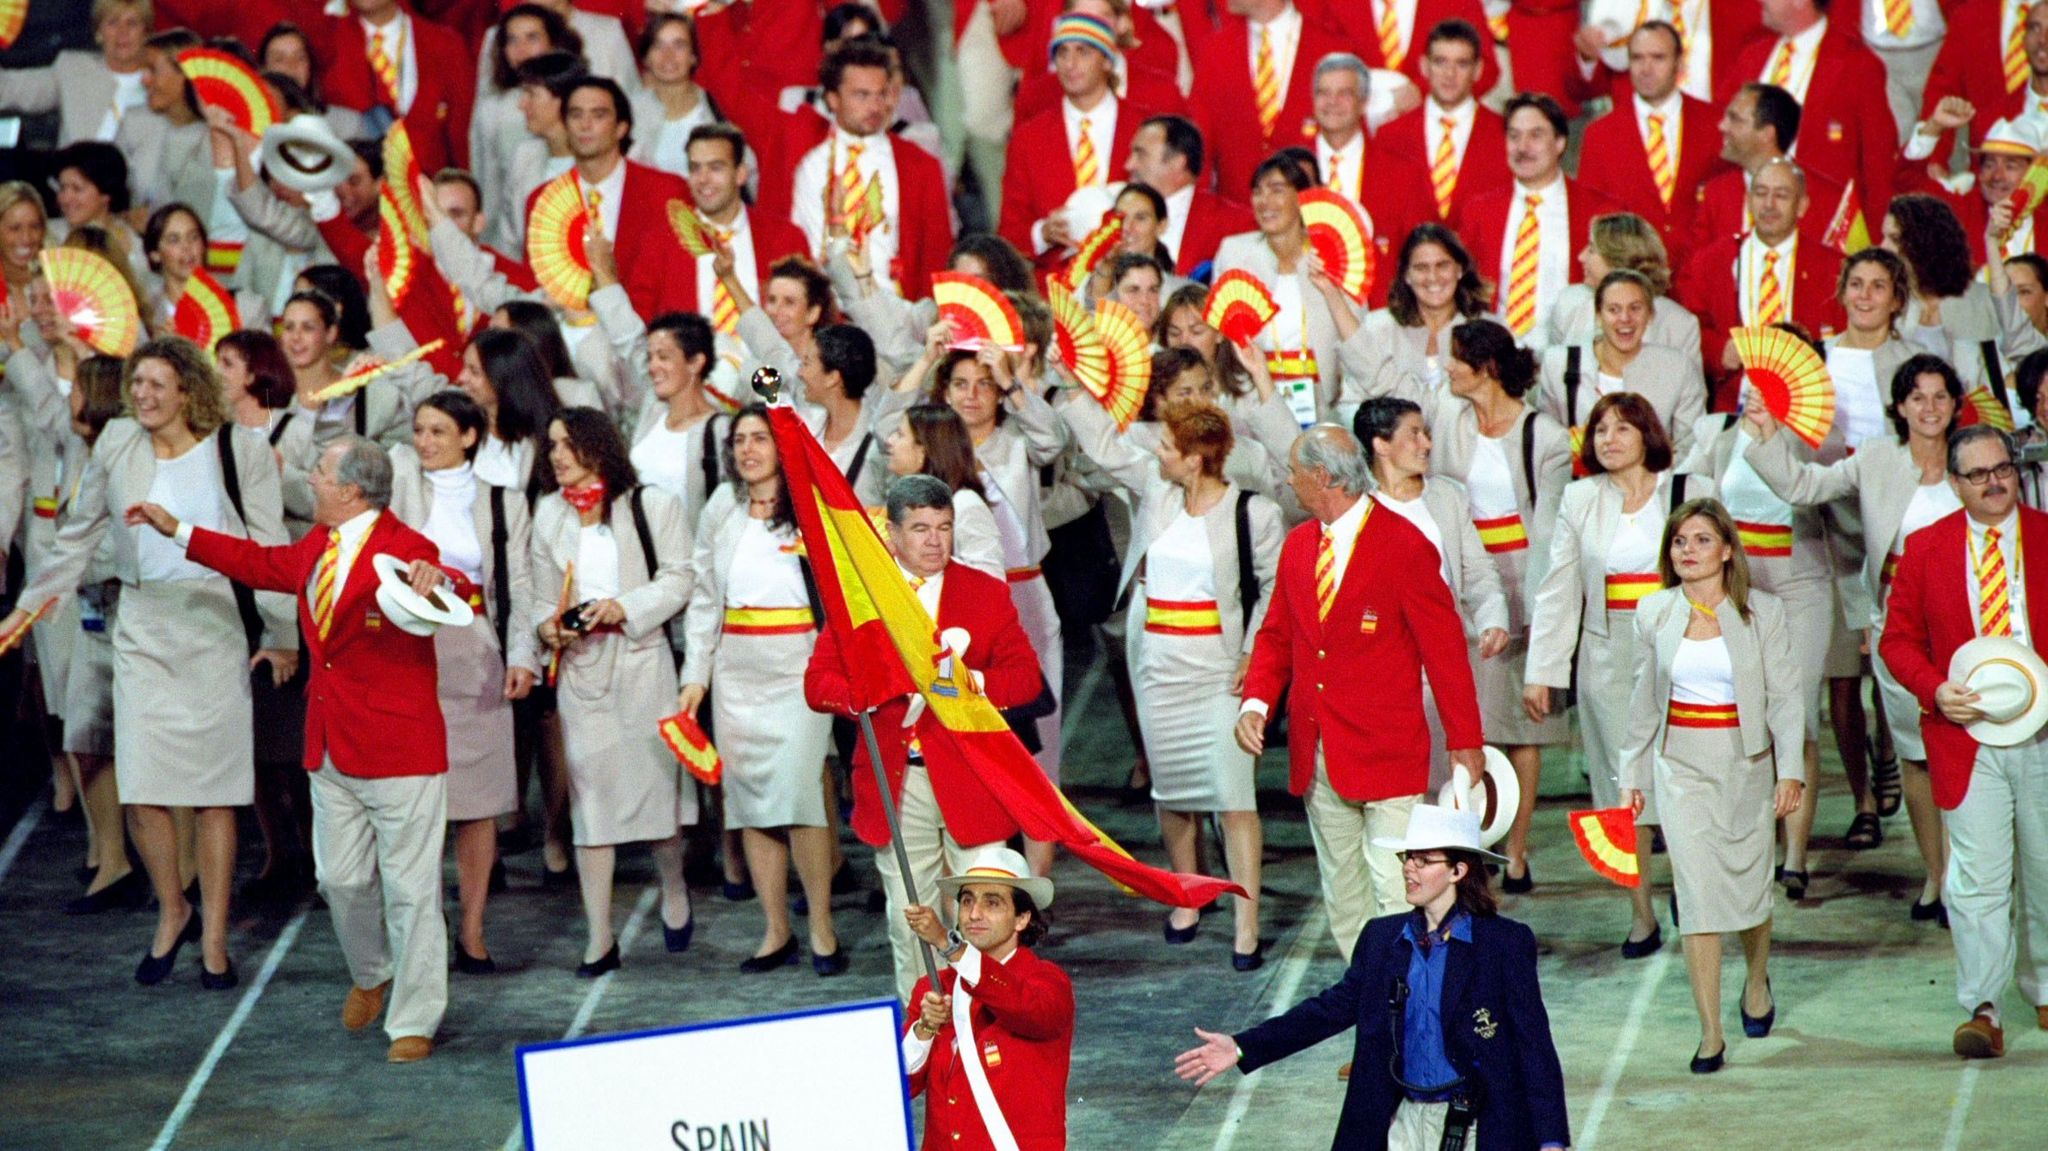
(410, 1049)
(362, 1008)
(1980, 1038)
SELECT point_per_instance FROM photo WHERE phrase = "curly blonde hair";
(206, 408)
(1627, 241)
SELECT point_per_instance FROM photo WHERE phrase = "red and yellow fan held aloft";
(402, 178)
(1094, 249)
(1980, 406)
(554, 242)
(1239, 306)
(92, 294)
(396, 257)
(1130, 360)
(1342, 240)
(980, 313)
(689, 229)
(206, 311)
(360, 378)
(872, 215)
(1080, 345)
(692, 748)
(2032, 190)
(1792, 379)
(13, 13)
(1607, 838)
(221, 80)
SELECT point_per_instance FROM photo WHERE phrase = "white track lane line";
(1646, 992)
(1293, 969)
(23, 828)
(190, 1099)
(1966, 1090)
(591, 998)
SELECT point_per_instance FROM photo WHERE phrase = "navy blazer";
(1496, 1034)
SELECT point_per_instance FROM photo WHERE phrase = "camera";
(577, 619)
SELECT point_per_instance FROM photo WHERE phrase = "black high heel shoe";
(1648, 945)
(153, 968)
(221, 982)
(1708, 1064)
(1176, 936)
(1758, 1026)
(783, 956)
(127, 891)
(1795, 882)
(1240, 961)
(829, 965)
(469, 964)
(1523, 886)
(603, 964)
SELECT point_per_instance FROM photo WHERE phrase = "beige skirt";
(1719, 828)
(624, 783)
(772, 743)
(1606, 681)
(1035, 610)
(181, 696)
(1499, 682)
(88, 699)
(1188, 717)
(51, 643)
(482, 780)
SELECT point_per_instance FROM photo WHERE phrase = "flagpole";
(924, 949)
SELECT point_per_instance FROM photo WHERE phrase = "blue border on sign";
(895, 1010)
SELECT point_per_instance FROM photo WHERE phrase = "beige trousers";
(1996, 888)
(377, 851)
(1420, 1127)
(1360, 881)
(933, 852)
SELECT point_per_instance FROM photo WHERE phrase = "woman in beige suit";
(616, 679)
(1716, 721)
(181, 660)
(678, 429)
(1436, 288)
(1603, 561)
(1619, 360)
(1193, 620)
(1616, 241)
(484, 531)
(1900, 485)
(170, 154)
(749, 633)
(309, 330)
(1953, 314)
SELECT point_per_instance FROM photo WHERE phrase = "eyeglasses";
(1421, 860)
(1978, 477)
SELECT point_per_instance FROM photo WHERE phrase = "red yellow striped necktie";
(323, 583)
(1662, 170)
(725, 311)
(1443, 168)
(1086, 167)
(1994, 602)
(1266, 82)
(1521, 310)
(1770, 294)
(1390, 36)
(2016, 69)
(385, 65)
(1326, 573)
(850, 187)
(1781, 65)
(1898, 17)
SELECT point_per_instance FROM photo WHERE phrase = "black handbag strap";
(1571, 386)
(1529, 453)
(709, 457)
(361, 411)
(647, 552)
(860, 459)
(283, 421)
(1677, 490)
(501, 579)
(231, 479)
(1247, 576)
(1994, 371)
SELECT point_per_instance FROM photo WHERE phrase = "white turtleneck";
(451, 523)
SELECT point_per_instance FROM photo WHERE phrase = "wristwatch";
(954, 940)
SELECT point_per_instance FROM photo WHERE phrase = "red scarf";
(586, 497)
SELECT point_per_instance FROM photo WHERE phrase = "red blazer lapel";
(361, 584)
(2034, 570)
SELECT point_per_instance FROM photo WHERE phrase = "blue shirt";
(1423, 1060)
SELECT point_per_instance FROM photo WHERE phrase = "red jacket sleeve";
(282, 568)
(1272, 665)
(348, 243)
(825, 681)
(1011, 678)
(1035, 1003)
(1904, 642)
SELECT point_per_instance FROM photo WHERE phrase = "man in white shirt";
(1062, 151)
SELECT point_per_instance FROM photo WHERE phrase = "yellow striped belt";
(1765, 539)
(1503, 534)
(1702, 715)
(223, 256)
(1626, 588)
(768, 620)
(1023, 575)
(46, 507)
(1183, 617)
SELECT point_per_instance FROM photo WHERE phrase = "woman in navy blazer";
(1487, 1039)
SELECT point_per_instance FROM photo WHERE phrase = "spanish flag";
(887, 635)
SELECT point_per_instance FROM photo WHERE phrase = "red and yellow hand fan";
(397, 259)
(1239, 306)
(1607, 838)
(1130, 360)
(554, 242)
(1578, 435)
(870, 217)
(360, 378)
(692, 748)
(2032, 190)
(1080, 345)
(221, 80)
(980, 313)
(13, 13)
(206, 311)
(689, 229)
(1094, 249)
(1792, 379)
(91, 293)
(1341, 239)
(1981, 407)
(402, 177)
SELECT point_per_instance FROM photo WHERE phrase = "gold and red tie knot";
(768, 621)
(1086, 167)
(1266, 83)
(1770, 294)
(1503, 533)
(1781, 65)
(1443, 168)
(1765, 539)
(1626, 589)
(1183, 617)
(1994, 599)
(1521, 310)
(1898, 17)
(384, 65)
(1702, 715)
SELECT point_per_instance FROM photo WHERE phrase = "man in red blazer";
(1731, 282)
(716, 154)
(1352, 669)
(380, 56)
(1760, 124)
(1385, 186)
(1390, 34)
(1146, 72)
(1954, 584)
(1849, 131)
(2002, 160)
(1459, 147)
(1000, 1023)
(942, 809)
(375, 743)
(1492, 224)
(1167, 153)
(1242, 130)
(1971, 74)
(1709, 60)
(916, 236)
(1068, 146)
(1652, 153)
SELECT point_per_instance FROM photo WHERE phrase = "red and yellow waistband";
(1023, 575)
(768, 620)
(1183, 617)
(1702, 715)
(1503, 534)
(1293, 365)
(1626, 589)
(223, 256)
(46, 507)
(1765, 539)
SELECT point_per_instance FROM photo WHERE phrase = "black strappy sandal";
(1866, 831)
(1886, 785)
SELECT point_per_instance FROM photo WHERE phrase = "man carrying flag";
(940, 804)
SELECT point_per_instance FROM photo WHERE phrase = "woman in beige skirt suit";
(1620, 359)
(1603, 560)
(750, 631)
(1900, 485)
(1716, 720)
(484, 531)
(181, 656)
(616, 678)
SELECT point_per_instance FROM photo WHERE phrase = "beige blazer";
(1880, 478)
(1671, 324)
(283, 240)
(122, 466)
(51, 456)
(412, 500)
(168, 164)
(496, 126)
(1573, 592)
(718, 537)
(1380, 354)
(1769, 700)
(14, 505)
(650, 593)
(77, 84)
(1970, 321)
(1248, 251)
(1669, 379)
